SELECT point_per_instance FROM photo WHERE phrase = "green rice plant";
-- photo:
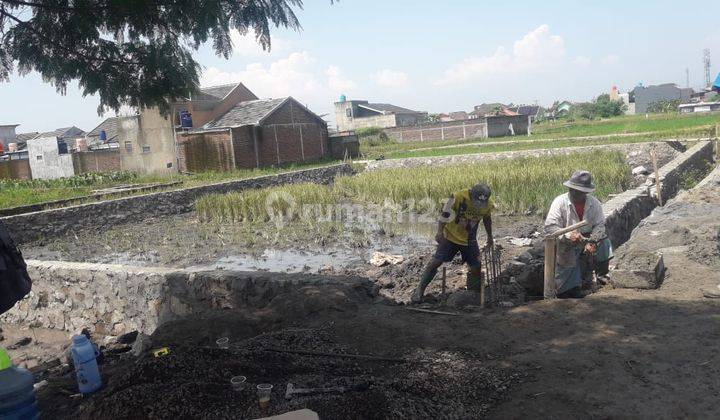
(265, 204)
(520, 185)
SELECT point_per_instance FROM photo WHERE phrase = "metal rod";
(658, 189)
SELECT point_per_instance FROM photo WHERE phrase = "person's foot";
(417, 296)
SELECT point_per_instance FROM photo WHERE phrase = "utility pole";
(706, 67)
(687, 77)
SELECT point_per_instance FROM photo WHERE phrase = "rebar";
(491, 258)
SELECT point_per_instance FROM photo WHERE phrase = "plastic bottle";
(84, 355)
(17, 395)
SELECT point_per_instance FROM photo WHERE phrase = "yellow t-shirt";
(462, 217)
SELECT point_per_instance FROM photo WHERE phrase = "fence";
(445, 131)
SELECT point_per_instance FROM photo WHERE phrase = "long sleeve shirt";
(562, 214)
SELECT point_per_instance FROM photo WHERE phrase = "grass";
(625, 129)
(15, 193)
(520, 185)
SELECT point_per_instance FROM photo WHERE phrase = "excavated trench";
(302, 327)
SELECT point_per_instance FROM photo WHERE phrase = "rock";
(521, 241)
(640, 170)
(515, 267)
(642, 271)
(525, 257)
(381, 259)
(128, 338)
(463, 298)
(142, 344)
(20, 343)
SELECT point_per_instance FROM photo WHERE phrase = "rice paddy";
(524, 185)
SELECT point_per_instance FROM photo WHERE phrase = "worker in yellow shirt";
(457, 232)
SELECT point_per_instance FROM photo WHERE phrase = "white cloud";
(338, 83)
(297, 75)
(248, 46)
(611, 59)
(537, 50)
(390, 79)
(582, 61)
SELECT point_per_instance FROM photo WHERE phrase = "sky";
(436, 56)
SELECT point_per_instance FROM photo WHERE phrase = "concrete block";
(642, 276)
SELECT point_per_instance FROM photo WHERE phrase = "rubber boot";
(427, 276)
(473, 282)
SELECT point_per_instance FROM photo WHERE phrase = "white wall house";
(48, 159)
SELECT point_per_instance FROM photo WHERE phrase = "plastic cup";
(223, 343)
(238, 383)
(264, 392)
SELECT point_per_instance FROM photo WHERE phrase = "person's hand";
(575, 236)
(489, 243)
(590, 248)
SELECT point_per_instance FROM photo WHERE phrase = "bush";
(663, 106)
(82, 180)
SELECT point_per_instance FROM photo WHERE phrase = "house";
(354, 114)
(699, 107)
(147, 142)
(458, 116)
(644, 96)
(7, 134)
(482, 110)
(535, 112)
(253, 134)
(67, 135)
(501, 125)
(560, 109)
(49, 158)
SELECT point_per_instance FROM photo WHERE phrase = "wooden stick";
(570, 228)
(428, 311)
(549, 290)
(658, 190)
(444, 276)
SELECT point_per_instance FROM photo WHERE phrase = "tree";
(601, 107)
(136, 53)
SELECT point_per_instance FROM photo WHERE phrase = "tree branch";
(64, 48)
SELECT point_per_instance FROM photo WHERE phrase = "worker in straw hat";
(457, 232)
(586, 249)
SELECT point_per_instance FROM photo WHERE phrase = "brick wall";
(454, 130)
(244, 147)
(97, 161)
(15, 169)
(211, 151)
(293, 133)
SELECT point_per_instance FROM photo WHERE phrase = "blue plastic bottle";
(17, 395)
(84, 355)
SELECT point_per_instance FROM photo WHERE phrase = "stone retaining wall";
(625, 211)
(115, 299)
(99, 216)
(637, 154)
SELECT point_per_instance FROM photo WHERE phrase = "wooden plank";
(565, 230)
(549, 290)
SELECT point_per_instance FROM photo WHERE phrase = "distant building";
(535, 112)
(699, 107)
(7, 134)
(253, 134)
(644, 96)
(354, 114)
(49, 158)
(479, 111)
(560, 109)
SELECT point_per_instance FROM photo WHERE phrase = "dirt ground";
(618, 353)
